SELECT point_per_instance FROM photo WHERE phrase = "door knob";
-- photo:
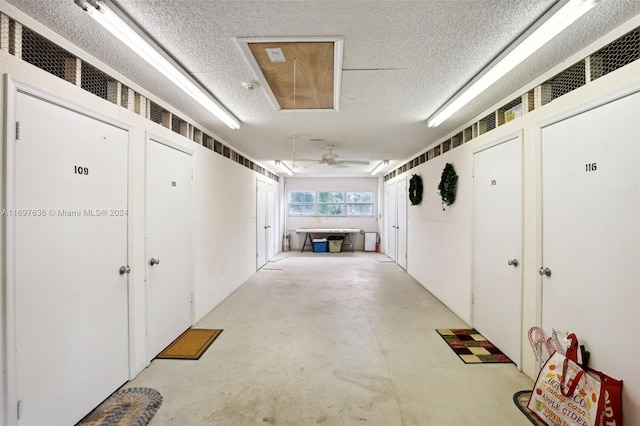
(124, 270)
(513, 262)
(544, 271)
(154, 261)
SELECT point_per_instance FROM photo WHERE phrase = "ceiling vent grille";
(42, 53)
(613, 56)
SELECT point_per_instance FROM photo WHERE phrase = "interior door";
(401, 223)
(591, 239)
(71, 313)
(261, 223)
(271, 221)
(497, 284)
(391, 220)
(169, 282)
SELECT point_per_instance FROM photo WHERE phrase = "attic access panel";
(318, 71)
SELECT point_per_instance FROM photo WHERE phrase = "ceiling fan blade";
(308, 159)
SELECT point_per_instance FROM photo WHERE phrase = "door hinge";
(19, 408)
(17, 130)
(473, 300)
(191, 173)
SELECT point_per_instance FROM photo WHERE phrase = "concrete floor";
(332, 339)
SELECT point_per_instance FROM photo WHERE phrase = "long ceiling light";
(284, 167)
(560, 20)
(379, 167)
(129, 36)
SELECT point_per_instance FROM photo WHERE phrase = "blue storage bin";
(320, 245)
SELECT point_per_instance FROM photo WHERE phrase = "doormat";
(191, 344)
(521, 399)
(125, 407)
(471, 346)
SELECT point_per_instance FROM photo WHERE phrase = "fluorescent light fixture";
(560, 20)
(379, 167)
(284, 167)
(129, 36)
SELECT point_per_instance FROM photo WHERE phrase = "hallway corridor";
(332, 339)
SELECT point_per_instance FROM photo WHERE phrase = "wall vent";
(42, 53)
(100, 84)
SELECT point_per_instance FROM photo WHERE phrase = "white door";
(271, 221)
(401, 223)
(591, 238)
(71, 314)
(261, 223)
(391, 221)
(169, 283)
(497, 283)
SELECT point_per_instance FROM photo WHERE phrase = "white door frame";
(264, 231)
(272, 249)
(391, 220)
(402, 223)
(602, 100)
(506, 138)
(13, 87)
(154, 138)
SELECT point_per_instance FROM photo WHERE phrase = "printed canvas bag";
(564, 394)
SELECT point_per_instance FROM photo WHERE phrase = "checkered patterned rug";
(471, 346)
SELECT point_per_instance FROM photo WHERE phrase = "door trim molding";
(154, 138)
(13, 87)
(519, 137)
(266, 207)
(593, 104)
(538, 127)
(149, 136)
(498, 141)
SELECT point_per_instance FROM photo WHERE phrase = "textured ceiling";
(402, 61)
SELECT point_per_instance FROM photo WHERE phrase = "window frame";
(344, 204)
(301, 203)
(331, 203)
(358, 203)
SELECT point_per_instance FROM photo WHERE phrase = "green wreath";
(415, 190)
(447, 185)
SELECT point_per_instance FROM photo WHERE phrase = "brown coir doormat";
(191, 344)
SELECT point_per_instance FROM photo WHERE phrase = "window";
(359, 203)
(331, 203)
(302, 203)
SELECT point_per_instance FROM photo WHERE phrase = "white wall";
(365, 224)
(226, 234)
(224, 203)
(440, 243)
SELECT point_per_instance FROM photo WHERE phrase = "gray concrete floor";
(332, 339)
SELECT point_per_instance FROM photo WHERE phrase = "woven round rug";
(126, 407)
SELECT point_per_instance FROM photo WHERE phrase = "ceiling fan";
(330, 158)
